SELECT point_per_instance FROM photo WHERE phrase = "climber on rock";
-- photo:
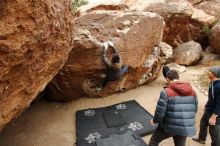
(114, 68)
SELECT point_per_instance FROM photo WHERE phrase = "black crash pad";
(113, 118)
(128, 138)
(93, 123)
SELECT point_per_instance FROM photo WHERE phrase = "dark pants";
(214, 130)
(204, 123)
(115, 77)
(159, 135)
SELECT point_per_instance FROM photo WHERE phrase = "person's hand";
(152, 122)
(212, 121)
(110, 43)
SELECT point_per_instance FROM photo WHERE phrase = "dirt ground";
(53, 124)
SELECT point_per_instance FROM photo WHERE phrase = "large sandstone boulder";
(211, 7)
(214, 38)
(183, 22)
(134, 34)
(179, 68)
(195, 2)
(101, 5)
(35, 40)
(188, 53)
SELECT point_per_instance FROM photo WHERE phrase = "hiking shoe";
(197, 139)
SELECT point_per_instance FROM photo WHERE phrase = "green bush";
(206, 29)
(77, 3)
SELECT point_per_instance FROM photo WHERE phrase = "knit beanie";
(215, 71)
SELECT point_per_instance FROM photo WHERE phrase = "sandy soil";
(53, 124)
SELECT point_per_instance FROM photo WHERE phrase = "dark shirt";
(213, 103)
(114, 71)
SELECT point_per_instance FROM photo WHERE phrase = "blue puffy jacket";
(176, 109)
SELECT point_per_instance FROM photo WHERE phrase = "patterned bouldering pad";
(127, 138)
(92, 124)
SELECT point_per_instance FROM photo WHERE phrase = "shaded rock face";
(134, 34)
(35, 40)
(214, 38)
(188, 53)
(183, 22)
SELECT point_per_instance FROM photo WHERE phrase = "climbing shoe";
(197, 139)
